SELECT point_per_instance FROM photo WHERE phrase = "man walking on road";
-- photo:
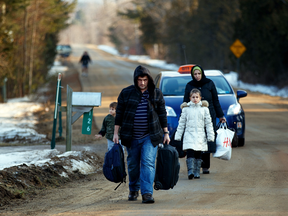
(141, 114)
(85, 60)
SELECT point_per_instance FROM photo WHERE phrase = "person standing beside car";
(209, 93)
(141, 114)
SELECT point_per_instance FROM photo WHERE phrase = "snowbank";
(17, 121)
(72, 161)
(57, 68)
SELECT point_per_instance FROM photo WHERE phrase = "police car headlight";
(234, 109)
(170, 111)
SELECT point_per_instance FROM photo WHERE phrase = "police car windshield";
(175, 86)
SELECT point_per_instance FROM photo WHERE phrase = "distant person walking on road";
(142, 116)
(196, 121)
(208, 93)
(108, 125)
(85, 60)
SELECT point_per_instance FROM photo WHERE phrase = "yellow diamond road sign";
(237, 48)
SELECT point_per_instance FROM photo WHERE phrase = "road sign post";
(238, 49)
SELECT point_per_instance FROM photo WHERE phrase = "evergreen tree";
(262, 28)
(213, 33)
(28, 39)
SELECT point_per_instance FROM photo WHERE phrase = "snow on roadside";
(57, 68)
(154, 62)
(17, 121)
(71, 161)
(36, 157)
(108, 49)
(232, 78)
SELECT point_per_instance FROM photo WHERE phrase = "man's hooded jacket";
(127, 105)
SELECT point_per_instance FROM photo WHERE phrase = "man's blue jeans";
(141, 165)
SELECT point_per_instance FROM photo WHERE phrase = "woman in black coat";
(209, 93)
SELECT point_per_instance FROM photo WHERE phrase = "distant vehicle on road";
(64, 50)
(173, 83)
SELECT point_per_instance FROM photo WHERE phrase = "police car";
(173, 83)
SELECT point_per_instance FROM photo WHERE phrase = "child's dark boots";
(190, 167)
(197, 167)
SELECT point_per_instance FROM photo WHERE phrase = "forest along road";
(253, 182)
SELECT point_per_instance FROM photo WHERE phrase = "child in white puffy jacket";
(196, 124)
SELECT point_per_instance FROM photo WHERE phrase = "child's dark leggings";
(194, 154)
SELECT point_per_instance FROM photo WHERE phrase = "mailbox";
(92, 99)
(81, 103)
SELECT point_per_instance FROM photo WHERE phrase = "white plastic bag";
(223, 142)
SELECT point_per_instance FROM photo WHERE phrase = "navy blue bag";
(114, 165)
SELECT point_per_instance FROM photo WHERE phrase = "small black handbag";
(178, 145)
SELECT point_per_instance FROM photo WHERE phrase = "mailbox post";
(55, 111)
(81, 103)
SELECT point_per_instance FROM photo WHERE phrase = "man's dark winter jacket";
(127, 104)
(209, 93)
(85, 59)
